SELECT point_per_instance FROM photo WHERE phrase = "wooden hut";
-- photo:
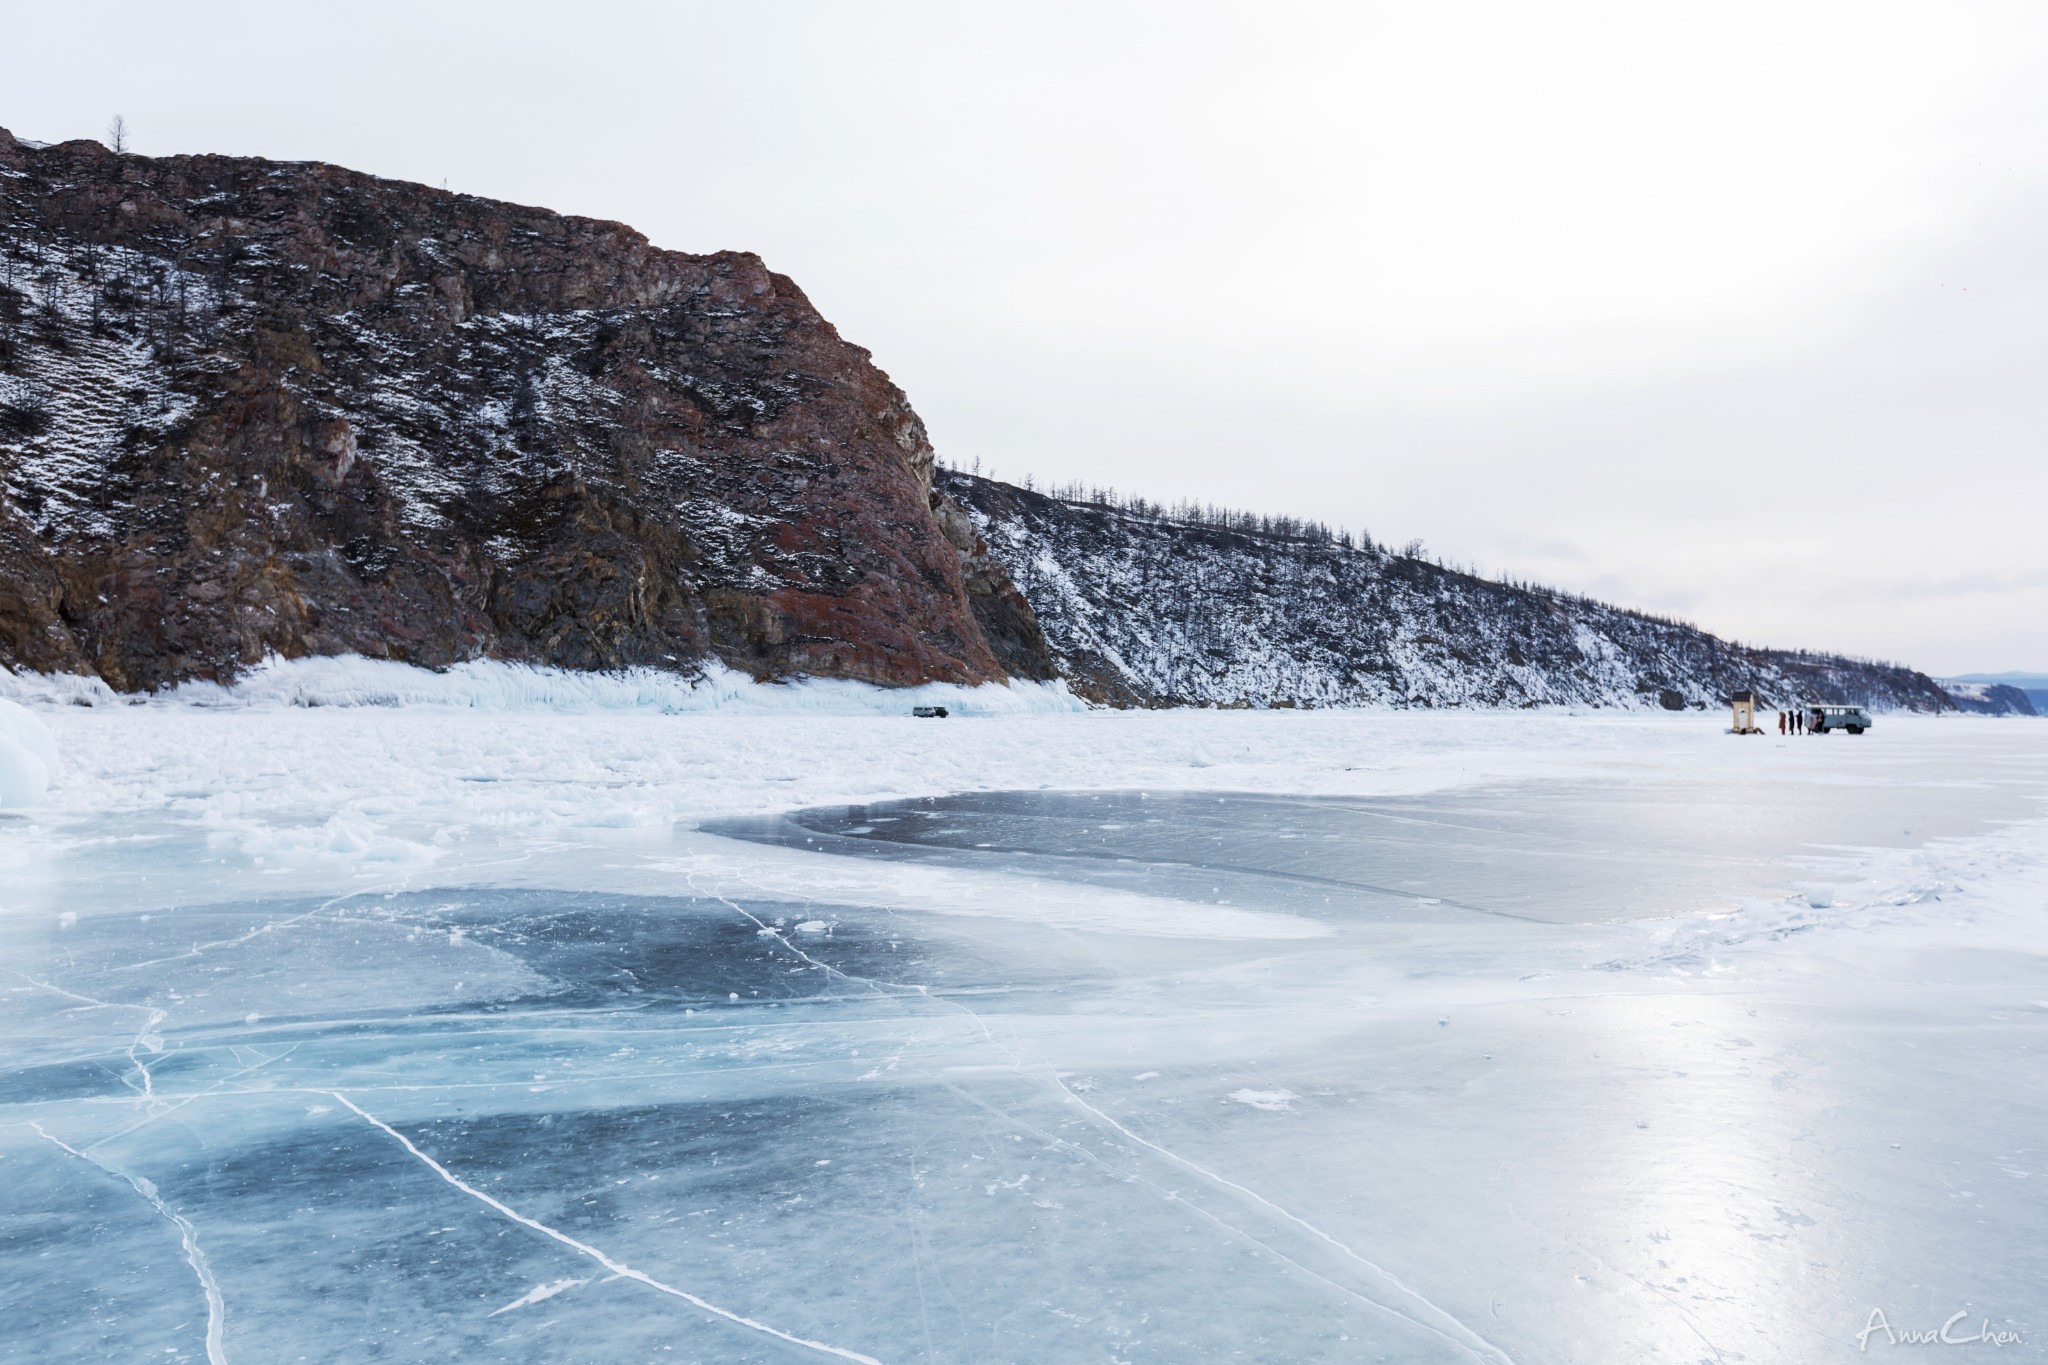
(1745, 713)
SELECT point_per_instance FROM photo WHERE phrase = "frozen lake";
(1694, 1051)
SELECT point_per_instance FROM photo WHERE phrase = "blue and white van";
(1821, 719)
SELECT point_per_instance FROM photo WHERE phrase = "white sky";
(1733, 311)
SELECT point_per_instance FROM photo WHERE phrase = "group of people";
(1791, 722)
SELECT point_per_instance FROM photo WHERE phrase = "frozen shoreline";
(646, 728)
(351, 681)
(398, 793)
(414, 795)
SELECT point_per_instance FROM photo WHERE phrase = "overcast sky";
(1733, 311)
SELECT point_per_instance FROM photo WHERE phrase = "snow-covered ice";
(599, 1030)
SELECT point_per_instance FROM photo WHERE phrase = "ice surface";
(1561, 852)
(450, 1034)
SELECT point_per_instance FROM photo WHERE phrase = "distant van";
(1821, 719)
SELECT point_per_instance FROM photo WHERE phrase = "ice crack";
(1425, 1314)
(216, 1306)
(1447, 1325)
(618, 1268)
(537, 1294)
(145, 1037)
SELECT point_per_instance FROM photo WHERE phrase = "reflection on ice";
(1559, 852)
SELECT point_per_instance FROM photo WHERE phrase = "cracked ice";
(1197, 1036)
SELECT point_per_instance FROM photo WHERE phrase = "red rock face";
(250, 407)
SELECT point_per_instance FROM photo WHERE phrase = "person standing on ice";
(1781, 724)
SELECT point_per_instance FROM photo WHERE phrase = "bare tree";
(117, 134)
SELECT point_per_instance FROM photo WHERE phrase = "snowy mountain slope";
(1989, 698)
(1144, 610)
(2032, 686)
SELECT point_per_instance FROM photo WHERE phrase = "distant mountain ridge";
(1986, 698)
(2034, 685)
(1143, 609)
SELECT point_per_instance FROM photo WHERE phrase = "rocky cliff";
(1142, 609)
(250, 407)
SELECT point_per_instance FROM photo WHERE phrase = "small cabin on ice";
(1744, 704)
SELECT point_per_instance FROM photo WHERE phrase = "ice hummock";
(28, 756)
(498, 686)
